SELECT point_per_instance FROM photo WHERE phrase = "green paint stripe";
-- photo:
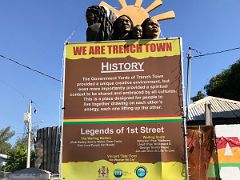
(212, 169)
(229, 165)
(125, 122)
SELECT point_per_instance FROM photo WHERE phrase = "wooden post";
(208, 115)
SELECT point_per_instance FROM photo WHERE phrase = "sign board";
(123, 111)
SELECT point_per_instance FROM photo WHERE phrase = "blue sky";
(34, 32)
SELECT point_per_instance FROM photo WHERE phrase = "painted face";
(124, 24)
(91, 18)
(137, 32)
(152, 29)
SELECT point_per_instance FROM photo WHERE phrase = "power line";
(29, 68)
(217, 52)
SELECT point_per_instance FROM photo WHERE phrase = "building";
(225, 162)
(224, 111)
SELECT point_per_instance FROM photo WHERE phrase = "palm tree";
(5, 135)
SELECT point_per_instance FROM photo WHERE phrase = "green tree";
(17, 156)
(226, 84)
(5, 135)
(200, 95)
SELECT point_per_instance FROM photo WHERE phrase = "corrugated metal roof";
(221, 108)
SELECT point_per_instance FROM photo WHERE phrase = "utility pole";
(189, 57)
(28, 120)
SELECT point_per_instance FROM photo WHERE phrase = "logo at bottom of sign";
(141, 171)
(103, 172)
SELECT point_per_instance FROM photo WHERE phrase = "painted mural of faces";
(92, 15)
(122, 28)
(137, 32)
(151, 28)
(100, 23)
(91, 18)
(124, 24)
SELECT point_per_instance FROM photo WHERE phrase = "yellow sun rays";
(123, 3)
(154, 5)
(138, 3)
(137, 13)
(165, 16)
